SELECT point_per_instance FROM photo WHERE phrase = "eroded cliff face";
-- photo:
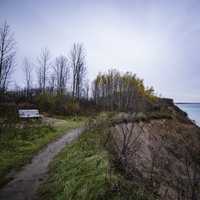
(161, 155)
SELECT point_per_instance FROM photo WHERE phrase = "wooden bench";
(29, 113)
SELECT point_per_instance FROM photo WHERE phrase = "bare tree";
(44, 64)
(61, 71)
(52, 82)
(86, 89)
(77, 59)
(125, 138)
(28, 78)
(7, 55)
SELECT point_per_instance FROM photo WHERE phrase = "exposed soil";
(163, 153)
(25, 183)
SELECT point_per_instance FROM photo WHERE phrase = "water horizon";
(192, 109)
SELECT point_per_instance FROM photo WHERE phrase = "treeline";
(64, 74)
(62, 86)
(122, 92)
(64, 71)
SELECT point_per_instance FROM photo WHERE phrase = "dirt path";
(26, 182)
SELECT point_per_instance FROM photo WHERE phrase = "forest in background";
(62, 85)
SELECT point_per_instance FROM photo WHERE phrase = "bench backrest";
(28, 113)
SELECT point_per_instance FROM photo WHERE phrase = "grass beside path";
(79, 172)
(18, 144)
(85, 170)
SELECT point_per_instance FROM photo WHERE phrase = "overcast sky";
(157, 40)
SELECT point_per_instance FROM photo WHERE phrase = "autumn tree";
(122, 92)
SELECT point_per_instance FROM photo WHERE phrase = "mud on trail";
(26, 182)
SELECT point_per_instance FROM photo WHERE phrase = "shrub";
(8, 110)
(72, 107)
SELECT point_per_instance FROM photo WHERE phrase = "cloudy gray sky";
(159, 40)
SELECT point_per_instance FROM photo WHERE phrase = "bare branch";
(7, 55)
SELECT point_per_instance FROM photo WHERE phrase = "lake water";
(192, 109)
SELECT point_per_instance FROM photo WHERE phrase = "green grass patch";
(79, 172)
(84, 171)
(18, 145)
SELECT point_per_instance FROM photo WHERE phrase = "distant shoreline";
(187, 102)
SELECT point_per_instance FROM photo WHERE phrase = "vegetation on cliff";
(127, 156)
